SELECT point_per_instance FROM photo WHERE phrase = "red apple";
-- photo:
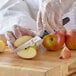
(54, 41)
(65, 53)
(71, 39)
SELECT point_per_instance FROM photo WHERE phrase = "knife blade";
(28, 43)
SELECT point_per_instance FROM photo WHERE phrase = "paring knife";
(37, 38)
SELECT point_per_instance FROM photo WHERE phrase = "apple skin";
(65, 53)
(2, 46)
(70, 40)
(54, 41)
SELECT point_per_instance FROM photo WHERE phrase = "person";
(31, 17)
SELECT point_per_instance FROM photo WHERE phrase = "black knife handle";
(65, 21)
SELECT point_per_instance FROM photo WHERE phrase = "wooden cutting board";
(46, 63)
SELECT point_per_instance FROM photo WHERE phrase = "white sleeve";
(15, 13)
(2, 3)
(33, 7)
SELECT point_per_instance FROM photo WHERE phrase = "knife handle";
(65, 21)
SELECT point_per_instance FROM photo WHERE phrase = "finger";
(10, 45)
(50, 16)
(40, 28)
(51, 21)
(39, 21)
(10, 36)
(46, 24)
(16, 31)
(25, 31)
(58, 20)
(58, 16)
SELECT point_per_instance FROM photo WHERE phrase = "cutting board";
(46, 63)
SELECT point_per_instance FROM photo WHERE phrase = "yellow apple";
(29, 52)
(21, 40)
(2, 46)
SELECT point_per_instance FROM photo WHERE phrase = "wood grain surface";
(46, 63)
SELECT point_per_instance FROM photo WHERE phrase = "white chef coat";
(18, 12)
(21, 12)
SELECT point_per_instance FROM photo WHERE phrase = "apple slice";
(27, 53)
(65, 53)
(21, 40)
(2, 46)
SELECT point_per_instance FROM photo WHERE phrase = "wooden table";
(46, 63)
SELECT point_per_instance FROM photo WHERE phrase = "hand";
(17, 32)
(50, 15)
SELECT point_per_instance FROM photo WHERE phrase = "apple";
(2, 46)
(65, 53)
(54, 41)
(70, 40)
(28, 53)
(22, 40)
(3, 38)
